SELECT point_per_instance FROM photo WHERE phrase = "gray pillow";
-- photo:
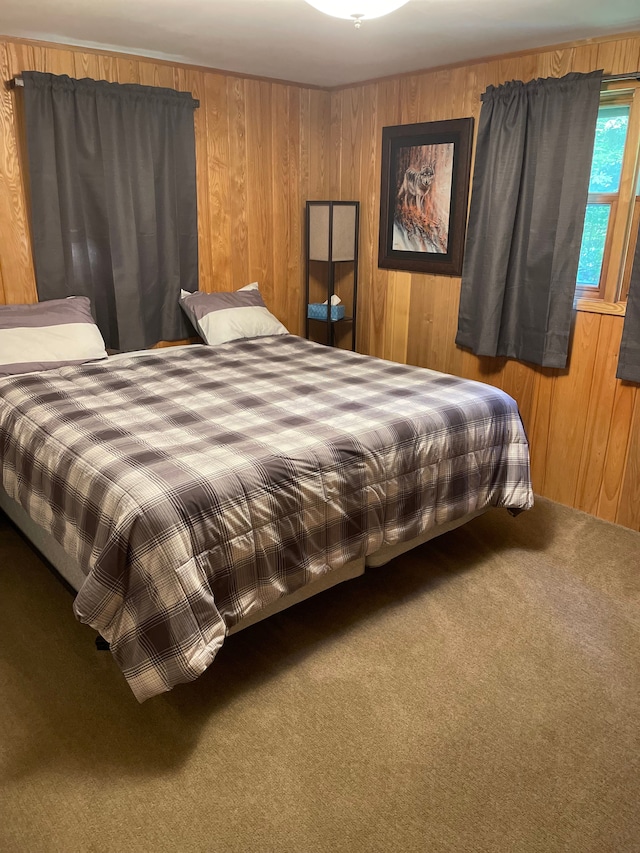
(47, 335)
(221, 317)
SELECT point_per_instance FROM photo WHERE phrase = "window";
(613, 207)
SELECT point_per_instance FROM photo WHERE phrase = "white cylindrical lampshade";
(343, 232)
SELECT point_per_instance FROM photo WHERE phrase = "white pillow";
(47, 335)
(222, 317)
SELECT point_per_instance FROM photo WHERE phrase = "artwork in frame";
(424, 195)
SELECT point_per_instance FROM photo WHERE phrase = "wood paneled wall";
(583, 423)
(260, 151)
(264, 147)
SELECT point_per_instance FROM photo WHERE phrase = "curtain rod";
(18, 81)
(610, 78)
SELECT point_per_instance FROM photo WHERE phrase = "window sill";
(599, 306)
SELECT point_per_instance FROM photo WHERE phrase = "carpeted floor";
(479, 694)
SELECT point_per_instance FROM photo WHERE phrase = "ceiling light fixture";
(357, 10)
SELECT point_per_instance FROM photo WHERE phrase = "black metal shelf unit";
(331, 238)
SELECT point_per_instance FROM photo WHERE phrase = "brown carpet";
(479, 694)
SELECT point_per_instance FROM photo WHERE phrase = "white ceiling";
(290, 40)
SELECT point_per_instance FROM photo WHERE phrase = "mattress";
(195, 488)
(74, 576)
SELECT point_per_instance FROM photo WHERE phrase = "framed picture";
(424, 194)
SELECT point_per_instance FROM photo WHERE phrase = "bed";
(188, 492)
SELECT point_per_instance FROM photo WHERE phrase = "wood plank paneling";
(369, 213)
(292, 180)
(540, 425)
(582, 423)
(55, 60)
(15, 245)
(629, 506)
(154, 74)
(520, 381)
(219, 185)
(566, 431)
(86, 65)
(239, 245)
(554, 63)
(316, 142)
(372, 293)
(108, 68)
(617, 457)
(599, 411)
(283, 180)
(260, 179)
(186, 80)
(127, 71)
(619, 57)
(585, 58)
(517, 68)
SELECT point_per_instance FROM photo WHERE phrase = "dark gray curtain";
(113, 201)
(530, 187)
(629, 358)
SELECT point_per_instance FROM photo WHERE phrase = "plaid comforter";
(195, 485)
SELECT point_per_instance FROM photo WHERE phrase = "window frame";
(635, 227)
(611, 294)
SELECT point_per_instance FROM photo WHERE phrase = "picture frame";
(424, 196)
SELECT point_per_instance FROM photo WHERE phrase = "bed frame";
(65, 566)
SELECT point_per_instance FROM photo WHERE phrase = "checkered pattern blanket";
(196, 485)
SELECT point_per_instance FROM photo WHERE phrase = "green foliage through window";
(606, 168)
(594, 236)
(608, 150)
